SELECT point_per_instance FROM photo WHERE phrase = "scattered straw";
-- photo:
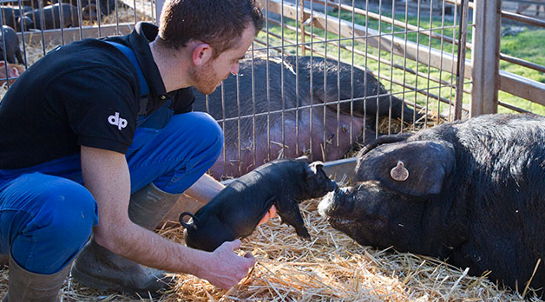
(329, 267)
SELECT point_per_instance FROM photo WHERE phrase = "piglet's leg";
(288, 210)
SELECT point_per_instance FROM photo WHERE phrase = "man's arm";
(106, 175)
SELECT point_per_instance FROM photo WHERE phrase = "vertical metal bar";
(300, 14)
(461, 61)
(377, 116)
(268, 96)
(441, 63)
(22, 37)
(5, 57)
(311, 88)
(301, 17)
(99, 18)
(238, 128)
(351, 126)
(338, 78)
(405, 64)
(254, 143)
(42, 25)
(324, 134)
(223, 116)
(116, 14)
(429, 65)
(366, 71)
(283, 140)
(417, 57)
(135, 11)
(392, 66)
(158, 8)
(485, 57)
(452, 66)
(61, 21)
(80, 16)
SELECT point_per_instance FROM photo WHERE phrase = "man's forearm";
(107, 177)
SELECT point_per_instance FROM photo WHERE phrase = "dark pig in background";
(306, 126)
(9, 46)
(11, 14)
(90, 8)
(236, 211)
(471, 192)
(51, 17)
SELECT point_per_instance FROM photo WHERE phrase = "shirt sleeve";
(100, 104)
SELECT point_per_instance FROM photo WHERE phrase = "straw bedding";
(330, 267)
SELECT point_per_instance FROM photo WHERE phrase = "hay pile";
(330, 267)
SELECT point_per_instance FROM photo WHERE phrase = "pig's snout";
(337, 203)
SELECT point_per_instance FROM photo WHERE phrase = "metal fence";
(439, 58)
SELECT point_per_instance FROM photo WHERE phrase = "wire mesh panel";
(33, 27)
(324, 78)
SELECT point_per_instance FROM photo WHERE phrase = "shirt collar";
(139, 41)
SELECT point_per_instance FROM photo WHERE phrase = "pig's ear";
(314, 167)
(414, 168)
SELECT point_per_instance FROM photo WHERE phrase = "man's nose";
(234, 69)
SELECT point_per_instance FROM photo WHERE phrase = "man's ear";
(202, 52)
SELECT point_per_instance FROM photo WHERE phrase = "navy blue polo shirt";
(85, 93)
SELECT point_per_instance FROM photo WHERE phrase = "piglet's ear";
(316, 166)
(415, 168)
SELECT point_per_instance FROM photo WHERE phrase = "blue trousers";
(47, 215)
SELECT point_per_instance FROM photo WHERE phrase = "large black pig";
(471, 192)
(322, 132)
(236, 211)
(50, 17)
(11, 14)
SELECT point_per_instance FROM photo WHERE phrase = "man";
(98, 138)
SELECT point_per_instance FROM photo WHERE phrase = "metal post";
(158, 9)
(485, 57)
(462, 38)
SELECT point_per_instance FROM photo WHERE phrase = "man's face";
(210, 75)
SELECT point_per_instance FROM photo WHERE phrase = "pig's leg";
(288, 210)
(19, 56)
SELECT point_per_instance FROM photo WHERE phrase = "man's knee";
(211, 131)
(201, 129)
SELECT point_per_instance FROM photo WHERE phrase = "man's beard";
(206, 79)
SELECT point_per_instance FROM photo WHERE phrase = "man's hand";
(270, 214)
(225, 268)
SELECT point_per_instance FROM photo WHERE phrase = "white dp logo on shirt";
(117, 121)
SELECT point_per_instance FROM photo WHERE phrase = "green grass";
(526, 45)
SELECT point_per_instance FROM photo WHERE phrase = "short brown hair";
(219, 23)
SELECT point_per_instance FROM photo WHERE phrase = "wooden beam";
(485, 57)
(522, 87)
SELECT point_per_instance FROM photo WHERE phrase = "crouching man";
(104, 144)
